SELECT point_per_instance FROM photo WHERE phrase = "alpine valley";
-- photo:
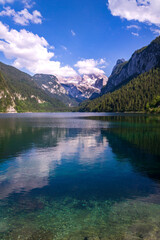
(20, 92)
(134, 85)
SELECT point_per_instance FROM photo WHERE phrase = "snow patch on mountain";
(78, 88)
(83, 87)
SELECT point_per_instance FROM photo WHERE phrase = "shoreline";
(148, 113)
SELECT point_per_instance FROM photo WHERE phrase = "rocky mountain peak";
(83, 87)
(69, 80)
(45, 77)
(94, 80)
(119, 61)
(141, 61)
(77, 87)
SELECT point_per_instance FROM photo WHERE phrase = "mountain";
(84, 87)
(19, 93)
(94, 80)
(140, 94)
(141, 61)
(134, 85)
(71, 90)
(117, 68)
(51, 85)
(80, 92)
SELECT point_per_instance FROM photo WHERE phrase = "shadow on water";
(128, 146)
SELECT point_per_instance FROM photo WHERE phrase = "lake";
(79, 176)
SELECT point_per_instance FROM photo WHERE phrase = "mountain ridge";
(141, 61)
(18, 93)
(71, 90)
(135, 96)
(51, 85)
(133, 85)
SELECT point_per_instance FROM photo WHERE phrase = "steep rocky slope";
(84, 87)
(71, 90)
(141, 61)
(51, 85)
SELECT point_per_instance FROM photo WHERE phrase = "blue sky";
(69, 37)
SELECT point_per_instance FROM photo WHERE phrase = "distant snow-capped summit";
(83, 87)
(94, 80)
(77, 88)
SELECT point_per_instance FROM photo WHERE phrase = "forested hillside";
(140, 94)
(18, 93)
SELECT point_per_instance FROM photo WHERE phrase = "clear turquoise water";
(72, 176)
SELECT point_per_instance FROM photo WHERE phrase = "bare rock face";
(71, 89)
(118, 65)
(141, 61)
(80, 92)
(49, 83)
(53, 87)
(94, 80)
(83, 87)
(11, 109)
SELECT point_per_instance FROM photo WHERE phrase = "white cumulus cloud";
(90, 66)
(27, 3)
(6, 1)
(141, 10)
(22, 17)
(31, 52)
